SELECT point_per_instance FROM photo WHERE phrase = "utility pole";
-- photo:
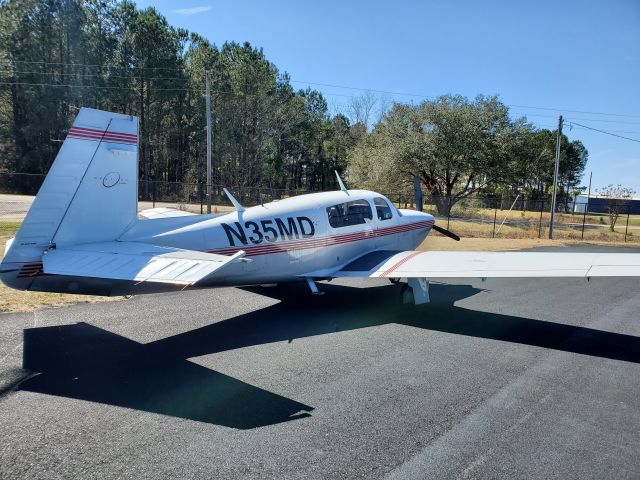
(555, 178)
(208, 102)
(586, 207)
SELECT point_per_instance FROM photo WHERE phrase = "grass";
(634, 221)
(8, 230)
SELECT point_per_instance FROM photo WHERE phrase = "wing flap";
(413, 264)
(134, 261)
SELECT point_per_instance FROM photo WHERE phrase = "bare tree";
(617, 201)
(385, 103)
(361, 108)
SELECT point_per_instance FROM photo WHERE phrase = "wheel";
(406, 294)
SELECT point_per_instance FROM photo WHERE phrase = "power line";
(576, 111)
(605, 121)
(574, 125)
(90, 86)
(133, 89)
(43, 84)
(615, 131)
(527, 114)
(102, 75)
(361, 89)
(34, 62)
(347, 87)
(131, 77)
(602, 131)
(186, 79)
(427, 96)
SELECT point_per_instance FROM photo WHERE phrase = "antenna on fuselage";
(235, 202)
(341, 183)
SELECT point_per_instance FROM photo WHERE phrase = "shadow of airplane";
(85, 362)
(88, 363)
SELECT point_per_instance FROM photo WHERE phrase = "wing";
(413, 264)
(135, 261)
(164, 212)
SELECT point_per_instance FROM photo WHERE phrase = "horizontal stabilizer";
(413, 264)
(134, 261)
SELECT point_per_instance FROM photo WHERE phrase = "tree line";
(59, 55)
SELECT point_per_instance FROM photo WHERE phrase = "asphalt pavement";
(496, 379)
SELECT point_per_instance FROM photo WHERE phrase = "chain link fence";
(474, 216)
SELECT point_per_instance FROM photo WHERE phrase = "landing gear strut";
(314, 287)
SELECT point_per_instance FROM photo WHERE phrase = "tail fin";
(90, 192)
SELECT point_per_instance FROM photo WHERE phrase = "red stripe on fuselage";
(280, 247)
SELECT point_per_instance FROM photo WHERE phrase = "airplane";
(84, 234)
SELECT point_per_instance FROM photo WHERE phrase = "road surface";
(496, 379)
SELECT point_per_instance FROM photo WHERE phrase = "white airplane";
(83, 234)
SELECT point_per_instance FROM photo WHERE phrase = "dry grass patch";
(441, 243)
(25, 301)
(437, 242)
(532, 230)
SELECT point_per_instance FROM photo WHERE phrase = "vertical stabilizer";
(90, 192)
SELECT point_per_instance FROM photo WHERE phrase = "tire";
(406, 295)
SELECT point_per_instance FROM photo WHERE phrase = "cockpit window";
(347, 214)
(383, 209)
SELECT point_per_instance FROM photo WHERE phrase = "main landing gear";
(415, 291)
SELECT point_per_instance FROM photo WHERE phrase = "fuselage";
(287, 239)
(305, 236)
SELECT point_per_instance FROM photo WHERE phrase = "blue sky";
(569, 55)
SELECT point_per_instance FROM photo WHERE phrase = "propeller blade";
(446, 233)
